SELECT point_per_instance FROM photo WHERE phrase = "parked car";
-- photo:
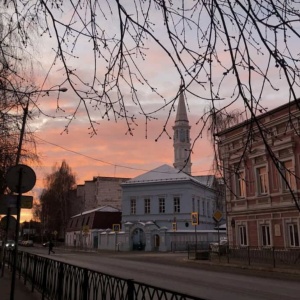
(28, 243)
(10, 245)
(220, 247)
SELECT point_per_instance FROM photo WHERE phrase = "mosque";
(167, 205)
(162, 209)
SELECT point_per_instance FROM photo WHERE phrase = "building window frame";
(133, 206)
(147, 207)
(242, 234)
(262, 180)
(288, 170)
(208, 208)
(293, 235)
(265, 235)
(161, 205)
(240, 184)
(176, 204)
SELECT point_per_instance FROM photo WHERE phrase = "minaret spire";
(181, 139)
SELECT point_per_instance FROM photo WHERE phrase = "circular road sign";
(20, 174)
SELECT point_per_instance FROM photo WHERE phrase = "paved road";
(175, 272)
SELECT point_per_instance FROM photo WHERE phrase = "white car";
(219, 247)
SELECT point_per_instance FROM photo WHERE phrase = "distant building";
(83, 228)
(157, 207)
(261, 209)
(100, 191)
(163, 207)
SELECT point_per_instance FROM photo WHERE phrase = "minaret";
(181, 139)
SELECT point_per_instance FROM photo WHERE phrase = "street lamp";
(62, 89)
(25, 113)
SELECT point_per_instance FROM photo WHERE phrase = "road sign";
(10, 201)
(217, 216)
(174, 226)
(21, 173)
(85, 229)
(116, 227)
(195, 219)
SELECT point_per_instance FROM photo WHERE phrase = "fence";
(189, 246)
(57, 280)
(269, 257)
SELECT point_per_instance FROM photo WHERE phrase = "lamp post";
(25, 114)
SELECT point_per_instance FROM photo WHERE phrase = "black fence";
(189, 246)
(57, 280)
(274, 257)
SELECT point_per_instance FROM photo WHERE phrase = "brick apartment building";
(100, 191)
(261, 165)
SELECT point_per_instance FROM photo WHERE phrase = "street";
(175, 272)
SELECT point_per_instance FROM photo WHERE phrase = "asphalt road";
(177, 273)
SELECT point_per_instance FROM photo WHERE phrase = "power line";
(97, 159)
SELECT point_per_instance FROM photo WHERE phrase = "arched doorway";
(138, 239)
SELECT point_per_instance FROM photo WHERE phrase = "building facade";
(261, 165)
(157, 207)
(162, 207)
(83, 229)
(159, 204)
(100, 191)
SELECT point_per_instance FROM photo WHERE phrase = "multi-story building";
(157, 206)
(261, 165)
(100, 191)
(80, 230)
(164, 206)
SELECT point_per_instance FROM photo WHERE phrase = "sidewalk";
(21, 291)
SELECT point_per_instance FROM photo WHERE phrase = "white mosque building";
(157, 206)
(163, 209)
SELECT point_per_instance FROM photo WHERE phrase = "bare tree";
(13, 61)
(55, 199)
(229, 53)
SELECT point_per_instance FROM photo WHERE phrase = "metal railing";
(274, 257)
(189, 246)
(57, 280)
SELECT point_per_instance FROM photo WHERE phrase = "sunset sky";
(112, 151)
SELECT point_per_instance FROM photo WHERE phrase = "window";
(243, 236)
(240, 184)
(265, 234)
(203, 208)
(133, 206)
(293, 235)
(147, 205)
(162, 208)
(288, 172)
(176, 205)
(262, 180)
(208, 208)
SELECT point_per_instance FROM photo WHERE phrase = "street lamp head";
(63, 89)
